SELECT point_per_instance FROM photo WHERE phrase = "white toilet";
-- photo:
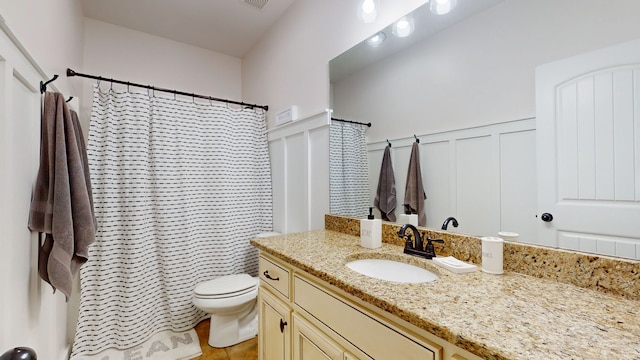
(232, 302)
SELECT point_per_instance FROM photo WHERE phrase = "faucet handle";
(429, 240)
(429, 249)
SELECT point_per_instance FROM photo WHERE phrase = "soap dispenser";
(371, 231)
(408, 217)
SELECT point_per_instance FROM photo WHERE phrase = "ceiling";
(229, 27)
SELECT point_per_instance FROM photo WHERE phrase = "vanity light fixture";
(441, 7)
(377, 39)
(368, 10)
(403, 27)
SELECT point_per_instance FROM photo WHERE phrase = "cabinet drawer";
(274, 276)
(375, 338)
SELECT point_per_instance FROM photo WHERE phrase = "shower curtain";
(348, 170)
(179, 190)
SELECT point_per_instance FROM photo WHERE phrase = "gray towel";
(62, 203)
(414, 194)
(386, 194)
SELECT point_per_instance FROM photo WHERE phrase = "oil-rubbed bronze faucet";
(416, 248)
(446, 223)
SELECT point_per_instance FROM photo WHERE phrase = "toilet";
(232, 302)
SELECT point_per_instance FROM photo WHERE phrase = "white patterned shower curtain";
(179, 190)
(348, 170)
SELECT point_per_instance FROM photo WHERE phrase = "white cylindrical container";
(508, 236)
(492, 255)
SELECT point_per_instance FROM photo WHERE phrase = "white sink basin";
(390, 270)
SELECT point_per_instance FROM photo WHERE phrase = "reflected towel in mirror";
(386, 194)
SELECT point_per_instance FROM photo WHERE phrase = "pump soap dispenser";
(371, 231)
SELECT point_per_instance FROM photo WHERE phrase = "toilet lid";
(226, 285)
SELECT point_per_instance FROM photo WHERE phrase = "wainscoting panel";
(485, 177)
(436, 177)
(477, 186)
(518, 184)
(318, 179)
(276, 157)
(31, 315)
(299, 153)
(296, 183)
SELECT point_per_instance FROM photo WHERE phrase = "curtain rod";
(352, 122)
(74, 73)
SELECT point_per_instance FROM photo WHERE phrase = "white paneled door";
(588, 141)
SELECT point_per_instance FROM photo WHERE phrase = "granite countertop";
(510, 316)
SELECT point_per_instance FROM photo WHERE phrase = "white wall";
(480, 71)
(52, 33)
(115, 52)
(290, 64)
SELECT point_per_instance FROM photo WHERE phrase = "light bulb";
(368, 11)
(377, 39)
(368, 6)
(403, 27)
(441, 7)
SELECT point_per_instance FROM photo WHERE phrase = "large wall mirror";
(464, 84)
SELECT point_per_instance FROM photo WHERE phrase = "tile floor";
(247, 350)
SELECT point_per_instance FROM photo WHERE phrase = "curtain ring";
(128, 87)
(111, 86)
(210, 101)
(174, 96)
(193, 97)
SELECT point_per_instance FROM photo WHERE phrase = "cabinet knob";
(546, 217)
(282, 325)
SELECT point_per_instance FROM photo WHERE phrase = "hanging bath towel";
(386, 194)
(62, 205)
(414, 194)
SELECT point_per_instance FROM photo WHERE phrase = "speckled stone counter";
(510, 316)
(597, 272)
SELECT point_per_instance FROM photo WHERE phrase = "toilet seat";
(226, 287)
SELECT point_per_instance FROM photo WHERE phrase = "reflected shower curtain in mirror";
(348, 170)
(180, 188)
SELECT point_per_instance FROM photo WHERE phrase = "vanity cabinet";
(274, 312)
(324, 322)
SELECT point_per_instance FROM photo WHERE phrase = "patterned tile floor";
(247, 350)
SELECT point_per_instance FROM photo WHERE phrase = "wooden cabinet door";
(309, 343)
(274, 335)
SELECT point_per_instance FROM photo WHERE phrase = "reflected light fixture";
(368, 10)
(377, 39)
(403, 27)
(441, 7)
